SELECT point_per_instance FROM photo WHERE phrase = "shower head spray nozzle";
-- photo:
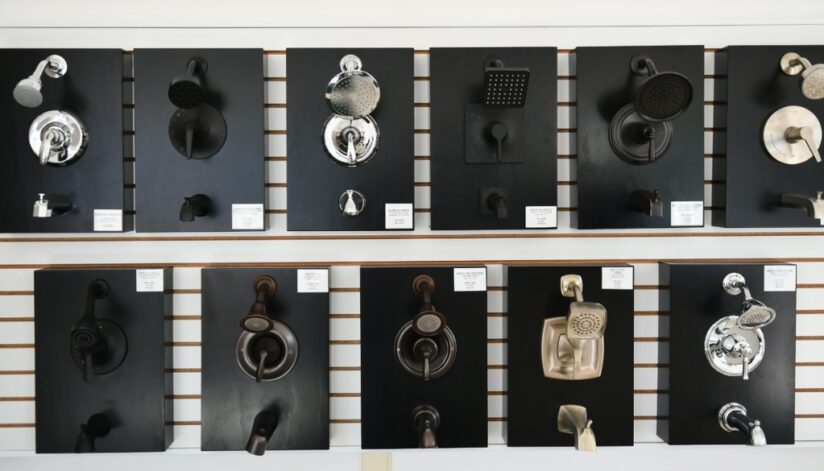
(187, 91)
(27, 91)
(257, 320)
(753, 313)
(504, 87)
(585, 320)
(812, 75)
(662, 96)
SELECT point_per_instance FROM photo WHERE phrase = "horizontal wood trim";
(575, 234)
(344, 290)
(17, 293)
(344, 316)
(344, 368)
(416, 263)
(16, 319)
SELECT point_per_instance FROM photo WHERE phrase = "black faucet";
(98, 426)
(262, 429)
(198, 205)
(648, 202)
(86, 334)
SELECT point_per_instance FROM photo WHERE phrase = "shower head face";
(586, 321)
(812, 82)
(256, 323)
(27, 92)
(663, 96)
(353, 93)
(186, 92)
(505, 87)
(755, 315)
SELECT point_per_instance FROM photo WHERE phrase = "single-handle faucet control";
(98, 426)
(573, 419)
(262, 429)
(86, 334)
(426, 420)
(803, 134)
(425, 347)
(732, 417)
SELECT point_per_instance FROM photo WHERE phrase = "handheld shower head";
(187, 91)
(27, 92)
(662, 96)
(812, 75)
(753, 313)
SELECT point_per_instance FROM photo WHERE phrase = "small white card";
(779, 277)
(149, 281)
(686, 213)
(399, 215)
(616, 278)
(313, 281)
(470, 279)
(247, 217)
(108, 220)
(541, 217)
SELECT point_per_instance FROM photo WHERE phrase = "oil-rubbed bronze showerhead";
(257, 320)
(662, 96)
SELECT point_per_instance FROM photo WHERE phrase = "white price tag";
(779, 277)
(247, 217)
(616, 278)
(108, 220)
(686, 213)
(398, 215)
(469, 279)
(541, 217)
(149, 281)
(313, 281)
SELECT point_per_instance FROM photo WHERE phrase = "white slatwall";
(20, 255)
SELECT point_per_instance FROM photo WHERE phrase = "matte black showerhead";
(662, 96)
(187, 91)
(504, 87)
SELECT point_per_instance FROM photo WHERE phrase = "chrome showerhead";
(812, 75)
(27, 92)
(353, 92)
(753, 313)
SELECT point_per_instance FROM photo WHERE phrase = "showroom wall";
(275, 29)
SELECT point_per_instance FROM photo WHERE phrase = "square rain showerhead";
(505, 87)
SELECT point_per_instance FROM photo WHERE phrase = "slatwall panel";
(188, 253)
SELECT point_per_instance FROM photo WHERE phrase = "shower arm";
(579, 293)
(802, 61)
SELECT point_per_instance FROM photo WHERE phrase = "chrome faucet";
(813, 205)
(573, 419)
(426, 420)
(732, 417)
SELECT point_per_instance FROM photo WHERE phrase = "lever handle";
(45, 150)
(190, 139)
(426, 368)
(649, 133)
(261, 365)
(88, 367)
(499, 133)
(806, 134)
(351, 153)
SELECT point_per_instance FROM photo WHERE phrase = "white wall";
(421, 25)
